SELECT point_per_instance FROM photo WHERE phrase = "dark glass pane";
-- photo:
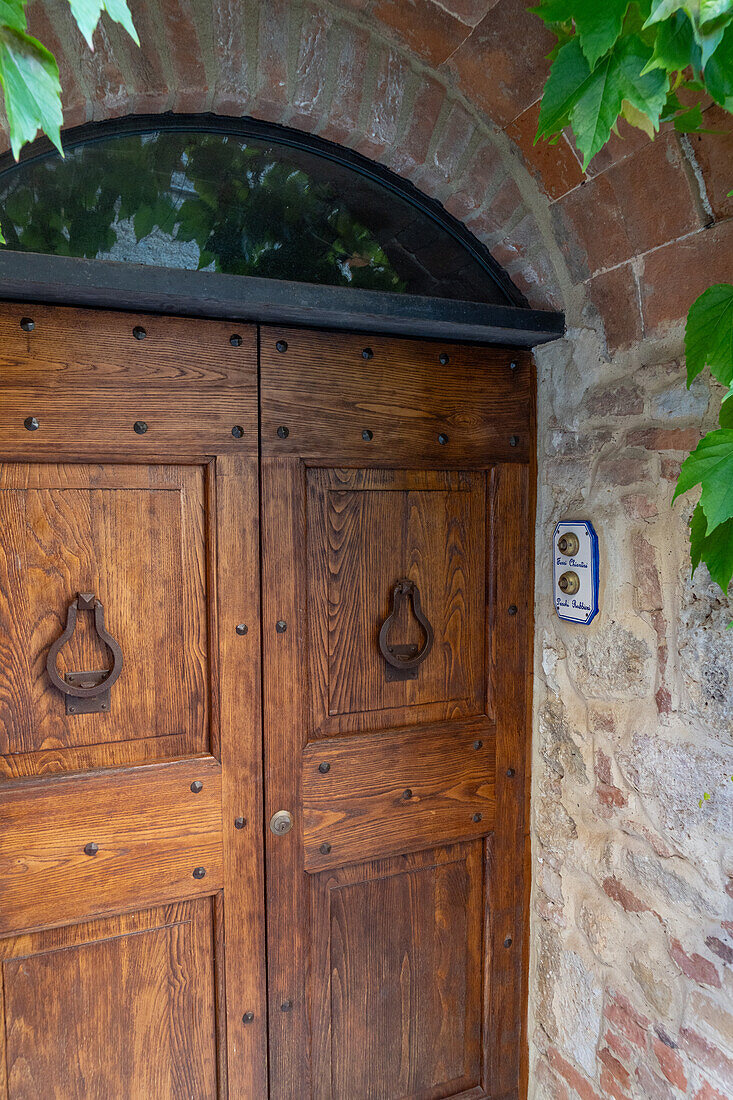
(242, 206)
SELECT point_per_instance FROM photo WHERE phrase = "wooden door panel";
(367, 529)
(122, 1007)
(396, 965)
(397, 986)
(88, 379)
(150, 827)
(135, 537)
(396, 791)
(356, 400)
(160, 523)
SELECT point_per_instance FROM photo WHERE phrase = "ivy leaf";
(646, 91)
(715, 549)
(711, 464)
(709, 19)
(690, 121)
(591, 101)
(554, 11)
(87, 14)
(637, 118)
(726, 411)
(719, 70)
(709, 334)
(598, 25)
(569, 74)
(675, 47)
(29, 77)
(12, 14)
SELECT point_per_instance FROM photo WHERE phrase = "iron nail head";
(444, 359)
(283, 432)
(407, 794)
(510, 773)
(513, 440)
(239, 822)
(367, 353)
(31, 424)
(91, 848)
(508, 941)
(248, 1017)
(139, 332)
(140, 427)
(241, 629)
(325, 849)
(478, 817)
(324, 767)
(237, 431)
(27, 324)
(282, 346)
(281, 626)
(286, 1006)
(197, 786)
(367, 435)
(442, 439)
(512, 609)
(199, 872)
(478, 744)
(235, 340)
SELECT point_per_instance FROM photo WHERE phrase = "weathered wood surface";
(327, 395)
(396, 791)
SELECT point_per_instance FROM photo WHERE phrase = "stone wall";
(632, 910)
(632, 916)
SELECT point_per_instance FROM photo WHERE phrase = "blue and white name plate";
(575, 571)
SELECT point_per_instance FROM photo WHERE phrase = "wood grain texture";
(511, 665)
(87, 380)
(285, 730)
(326, 394)
(367, 529)
(121, 1007)
(237, 512)
(134, 536)
(359, 807)
(397, 977)
(151, 830)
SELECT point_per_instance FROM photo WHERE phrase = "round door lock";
(568, 544)
(569, 583)
(281, 822)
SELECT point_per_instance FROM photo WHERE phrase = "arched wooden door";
(318, 854)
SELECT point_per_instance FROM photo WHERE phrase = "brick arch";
(444, 92)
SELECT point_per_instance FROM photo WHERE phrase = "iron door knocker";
(402, 661)
(85, 692)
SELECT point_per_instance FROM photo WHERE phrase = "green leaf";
(30, 80)
(598, 25)
(88, 12)
(711, 465)
(689, 121)
(719, 70)
(715, 549)
(709, 19)
(12, 14)
(568, 75)
(646, 91)
(709, 334)
(554, 11)
(675, 47)
(726, 411)
(637, 118)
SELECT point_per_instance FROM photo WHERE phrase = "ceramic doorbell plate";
(575, 571)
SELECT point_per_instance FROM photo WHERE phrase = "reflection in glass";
(242, 206)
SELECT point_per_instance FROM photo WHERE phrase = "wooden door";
(131, 922)
(396, 900)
